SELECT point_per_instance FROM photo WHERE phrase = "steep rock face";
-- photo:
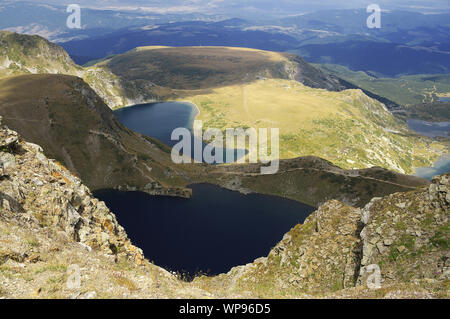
(58, 241)
(310, 76)
(407, 235)
(50, 224)
(44, 192)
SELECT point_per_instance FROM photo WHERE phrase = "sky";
(283, 7)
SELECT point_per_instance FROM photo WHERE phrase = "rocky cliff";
(395, 247)
(58, 241)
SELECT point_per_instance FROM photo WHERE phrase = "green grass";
(51, 268)
(346, 128)
(441, 238)
(404, 90)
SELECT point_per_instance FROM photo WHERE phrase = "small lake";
(441, 166)
(444, 99)
(212, 232)
(430, 129)
(158, 120)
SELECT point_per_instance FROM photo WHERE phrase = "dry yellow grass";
(347, 128)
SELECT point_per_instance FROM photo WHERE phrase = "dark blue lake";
(444, 99)
(430, 129)
(158, 120)
(212, 232)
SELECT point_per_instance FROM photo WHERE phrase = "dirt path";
(319, 170)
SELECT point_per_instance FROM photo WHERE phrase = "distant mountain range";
(407, 42)
(196, 33)
(49, 20)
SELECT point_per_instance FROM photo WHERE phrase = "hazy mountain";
(196, 33)
(407, 43)
(379, 58)
(49, 21)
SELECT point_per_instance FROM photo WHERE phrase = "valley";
(406, 90)
(237, 87)
(57, 225)
(347, 128)
(88, 180)
(105, 154)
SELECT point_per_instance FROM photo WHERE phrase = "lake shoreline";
(440, 166)
(214, 231)
(160, 101)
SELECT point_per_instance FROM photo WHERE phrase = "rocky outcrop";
(52, 227)
(396, 246)
(407, 235)
(58, 241)
(41, 191)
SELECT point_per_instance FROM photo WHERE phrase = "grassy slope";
(236, 87)
(405, 90)
(114, 91)
(63, 115)
(347, 128)
(312, 180)
(33, 54)
(74, 126)
(196, 67)
(226, 85)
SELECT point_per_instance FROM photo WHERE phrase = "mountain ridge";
(64, 115)
(61, 229)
